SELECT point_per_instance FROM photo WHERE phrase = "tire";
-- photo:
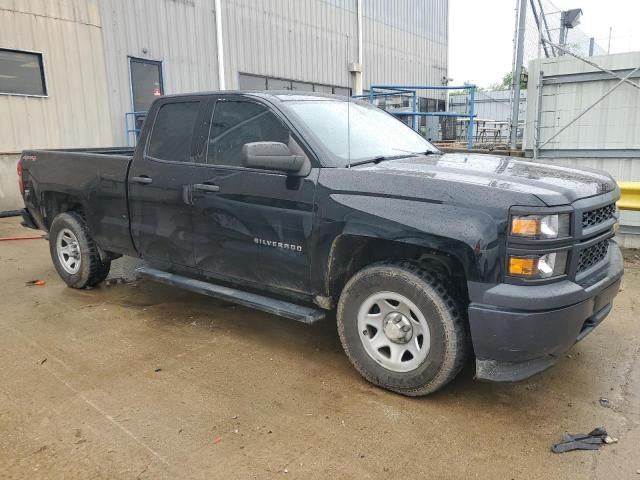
(69, 233)
(396, 300)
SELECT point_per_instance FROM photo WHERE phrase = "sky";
(481, 33)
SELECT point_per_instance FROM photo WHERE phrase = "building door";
(146, 86)
(251, 226)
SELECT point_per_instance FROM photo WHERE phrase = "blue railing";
(385, 90)
(131, 126)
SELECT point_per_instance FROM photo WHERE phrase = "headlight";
(538, 266)
(540, 226)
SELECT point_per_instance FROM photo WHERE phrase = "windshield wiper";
(380, 158)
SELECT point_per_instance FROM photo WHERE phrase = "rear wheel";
(74, 253)
(401, 329)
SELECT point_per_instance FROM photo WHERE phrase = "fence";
(450, 124)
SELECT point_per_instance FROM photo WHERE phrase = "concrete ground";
(139, 380)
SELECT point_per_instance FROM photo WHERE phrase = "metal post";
(537, 19)
(517, 74)
(413, 108)
(536, 131)
(472, 101)
(546, 25)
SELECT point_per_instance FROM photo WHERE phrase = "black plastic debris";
(581, 441)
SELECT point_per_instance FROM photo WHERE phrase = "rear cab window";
(173, 130)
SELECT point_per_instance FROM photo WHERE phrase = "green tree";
(506, 81)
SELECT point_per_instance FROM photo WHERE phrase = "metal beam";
(517, 73)
(595, 65)
(590, 153)
(537, 19)
(546, 25)
(587, 77)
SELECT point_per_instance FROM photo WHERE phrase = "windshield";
(374, 133)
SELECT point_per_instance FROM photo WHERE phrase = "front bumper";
(518, 331)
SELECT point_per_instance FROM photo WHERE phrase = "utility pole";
(517, 73)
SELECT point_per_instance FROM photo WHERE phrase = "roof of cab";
(281, 95)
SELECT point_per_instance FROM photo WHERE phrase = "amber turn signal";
(523, 266)
(525, 226)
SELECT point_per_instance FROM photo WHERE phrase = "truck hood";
(552, 184)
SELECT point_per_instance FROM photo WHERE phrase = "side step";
(252, 300)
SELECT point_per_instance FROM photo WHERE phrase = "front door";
(159, 182)
(251, 226)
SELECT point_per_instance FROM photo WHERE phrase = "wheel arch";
(449, 259)
(55, 203)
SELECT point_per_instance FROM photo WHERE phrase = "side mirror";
(271, 156)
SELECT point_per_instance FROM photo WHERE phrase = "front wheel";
(401, 329)
(74, 253)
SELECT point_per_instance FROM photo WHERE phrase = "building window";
(252, 82)
(249, 81)
(146, 83)
(173, 131)
(21, 73)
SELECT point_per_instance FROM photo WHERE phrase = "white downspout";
(360, 32)
(356, 68)
(218, 8)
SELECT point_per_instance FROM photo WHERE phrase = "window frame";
(159, 63)
(273, 111)
(169, 101)
(43, 74)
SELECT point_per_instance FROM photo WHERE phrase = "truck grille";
(592, 255)
(598, 215)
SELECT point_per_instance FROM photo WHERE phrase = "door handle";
(205, 187)
(144, 180)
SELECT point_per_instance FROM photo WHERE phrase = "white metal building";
(70, 70)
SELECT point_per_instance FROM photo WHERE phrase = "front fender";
(471, 235)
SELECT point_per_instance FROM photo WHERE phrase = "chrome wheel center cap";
(397, 327)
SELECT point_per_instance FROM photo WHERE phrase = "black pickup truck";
(299, 204)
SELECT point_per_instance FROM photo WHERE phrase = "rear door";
(159, 182)
(251, 226)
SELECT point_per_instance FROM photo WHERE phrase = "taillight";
(20, 181)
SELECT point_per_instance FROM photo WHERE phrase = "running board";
(252, 300)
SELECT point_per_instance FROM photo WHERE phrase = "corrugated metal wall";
(304, 40)
(405, 42)
(76, 112)
(180, 33)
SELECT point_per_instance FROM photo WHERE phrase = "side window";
(172, 132)
(236, 123)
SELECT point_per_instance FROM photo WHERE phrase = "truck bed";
(96, 176)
